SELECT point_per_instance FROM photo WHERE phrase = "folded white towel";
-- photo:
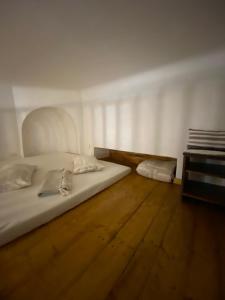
(65, 185)
(57, 181)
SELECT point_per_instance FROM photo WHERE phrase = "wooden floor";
(135, 240)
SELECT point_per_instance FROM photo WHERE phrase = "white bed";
(22, 210)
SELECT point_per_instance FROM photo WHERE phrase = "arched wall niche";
(48, 129)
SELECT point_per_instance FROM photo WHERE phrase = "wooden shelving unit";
(201, 164)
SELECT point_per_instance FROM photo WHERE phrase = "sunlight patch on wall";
(125, 130)
(111, 126)
(154, 110)
(98, 125)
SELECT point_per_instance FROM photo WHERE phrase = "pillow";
(157, 169)
(15, 176)
(84, 164)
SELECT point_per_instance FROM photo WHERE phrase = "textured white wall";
(28, 99)
(9, 144)
(150, 113)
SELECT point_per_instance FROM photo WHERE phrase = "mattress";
(22, 210)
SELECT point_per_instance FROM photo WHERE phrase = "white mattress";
(22, 210)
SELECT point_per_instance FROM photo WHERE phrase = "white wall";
(28, 99)
(151, 112)
(9, 145)
(148, 113)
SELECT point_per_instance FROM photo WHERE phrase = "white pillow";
(157, 169)
(84, 164)
(15, 176)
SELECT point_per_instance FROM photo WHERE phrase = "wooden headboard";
(131, 159)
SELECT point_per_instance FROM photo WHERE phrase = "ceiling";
(80, 43)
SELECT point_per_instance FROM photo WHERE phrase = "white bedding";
(22, 210)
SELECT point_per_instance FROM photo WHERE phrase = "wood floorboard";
(135, 240)
(219, 233)
(99, 281)
(166, 278)
(204, 278)
(131, 282)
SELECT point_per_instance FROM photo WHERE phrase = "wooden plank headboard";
(131, 159)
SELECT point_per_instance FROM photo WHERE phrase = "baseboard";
(177, 181)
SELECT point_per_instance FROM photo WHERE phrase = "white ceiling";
(81, 43)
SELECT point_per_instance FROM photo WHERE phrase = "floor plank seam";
(141, 241)
(175, 208)
(111, 239)
(219, 257)
(190, 255)
(136, 249)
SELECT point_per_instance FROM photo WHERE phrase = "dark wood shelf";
(197, 189)
(207, 169)
(203, 154)
(204, 191)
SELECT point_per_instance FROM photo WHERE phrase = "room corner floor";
(135, 240)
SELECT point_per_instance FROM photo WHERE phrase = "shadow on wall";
(157, 122)
(153, 117)
(48, 129)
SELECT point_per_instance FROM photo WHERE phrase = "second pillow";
(84, 164)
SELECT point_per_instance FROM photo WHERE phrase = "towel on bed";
(57, 181)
